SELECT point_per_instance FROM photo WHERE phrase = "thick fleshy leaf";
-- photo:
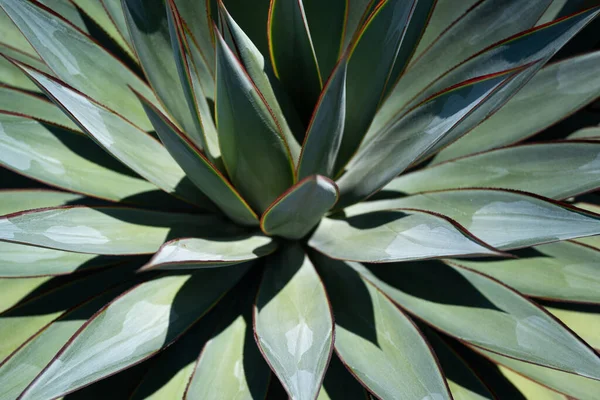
(15, 290)
(562, 8)
(253, 20)
(357, 12)
(555, 92)
(132, 328)
(591, 241)
(28, 361)
(326, 128)
(78, 60)
(98, 13)
(339, 384)
(583, 319)
(380, 39)
(11, 75)
(514, 52)
(560, 271)
(19, 102)
(260, 71)
(12, 201)
(149, 29)
(576, 386)
(379, 344)
(555, 170)
(293, 322)
(293, 54)
(326, 22)
(199, 169)
(296, 212)
(106, 230)
(114, 9)
(40, 308)
(502, 219)
(197, 17)
(413, 134)
(191, 253)
(132, 146)
(484, 313)
(592, 133)
(463, 382)
(388, 236)
(65, 159)
(230, 365)
(11, 35)
(529, 388)
(253, 148)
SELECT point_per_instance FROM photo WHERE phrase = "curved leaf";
(411, 135)
(130, 329)
(62, 158)
(15, 290)
(206, 253)
(529, 388)
(573, 385)
(130, 145)
(199, 169)
(339, 384)
(115, 11)
(12, 201)
(106, 230)
(19, 102)
(555, 92)
(253, 148)
(78, 60)
(555, 170)
(293, 322)
(501, 218)
(398, 235)
(197, 17)
(296, 212)
(560, 271)
(325, 130)
(380, 345)
(583, 319)
(10, 34)
(484, 313)
(293, 54)
(11, 75)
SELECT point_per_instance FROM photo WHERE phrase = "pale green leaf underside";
(393, 235)
(293, 322)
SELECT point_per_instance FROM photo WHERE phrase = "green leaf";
(199, 169)
(78, 60)
(296, 212)
(115, 11)
(517, 51)
(253, 20)
(555, 92)
(192, 253)
(262, 75)
(29, 317)
(230, 365)
(559, 271)
(197, 17)
(502, 219)
(463, 382)
(15, 290)
(11, 35)
(11, 75)
(106, 230)
(293, 54)
(591, 133)
(339, 384)
(583, 319)
(129, 144)
(529, 388)
(19, 102)
(149, 29)
(379, 39)
(12, 201)
(253, 148)
(387, 236)
(357, 12)
(325, 130)
(293, 322)
(326, 20)
(413, 134)
(28, 361)
(96, 11)
(556, 170)
(132, 328)
(379, 344)
(484, 313)
(570, 384)
(65, 159)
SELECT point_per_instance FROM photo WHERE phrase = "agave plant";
(314, 199)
